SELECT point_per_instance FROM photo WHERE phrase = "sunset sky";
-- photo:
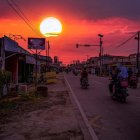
(82, 21)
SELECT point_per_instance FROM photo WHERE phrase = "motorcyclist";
(123, 72)
(122, 78)
(84, 74)
(117, 75)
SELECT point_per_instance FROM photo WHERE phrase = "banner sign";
(36, 43)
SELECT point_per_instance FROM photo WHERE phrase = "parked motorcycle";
(118, 90)
(132, 82)
(84, 83)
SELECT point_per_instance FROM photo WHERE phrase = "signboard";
(36, 43)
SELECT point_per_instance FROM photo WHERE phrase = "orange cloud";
(115, 30)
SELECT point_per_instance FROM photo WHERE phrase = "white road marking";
(89, 127)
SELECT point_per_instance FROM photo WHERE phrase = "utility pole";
(137, 57)
(101, 50)
(46, 57)
(100, 54)
(47, 54)
(48, 48)
(36, 69)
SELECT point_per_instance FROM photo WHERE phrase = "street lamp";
(101, 49)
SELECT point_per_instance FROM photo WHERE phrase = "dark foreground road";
(110, 119)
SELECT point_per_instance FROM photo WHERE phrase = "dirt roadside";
(48, 118)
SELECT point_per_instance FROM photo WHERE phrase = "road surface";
(111, 120)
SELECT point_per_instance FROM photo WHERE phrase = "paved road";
(110, 119)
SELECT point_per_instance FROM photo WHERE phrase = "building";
(20, 62)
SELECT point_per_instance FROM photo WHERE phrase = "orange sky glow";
(75, 30)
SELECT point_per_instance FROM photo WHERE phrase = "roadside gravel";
(46, 118)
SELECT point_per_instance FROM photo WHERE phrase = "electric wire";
(123, 43)
(20, 10)
(126, 41)
(21, 15)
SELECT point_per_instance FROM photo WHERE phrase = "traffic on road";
(111, 119)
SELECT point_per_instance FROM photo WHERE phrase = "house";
(19, 61)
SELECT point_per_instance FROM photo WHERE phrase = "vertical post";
(17, 72)
(2, 55)
(137, 56)
(36, 71)
(100, 54)
(138, 51)
(48, 48)
(46, 57)
(48, 54)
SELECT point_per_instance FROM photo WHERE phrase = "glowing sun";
(50, 27)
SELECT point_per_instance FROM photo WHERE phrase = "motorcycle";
(118, 90)
(132, 82)
(84, 83)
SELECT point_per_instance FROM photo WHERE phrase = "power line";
(123, 43)
(126, 41)
(14, 6)
(20, 10)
